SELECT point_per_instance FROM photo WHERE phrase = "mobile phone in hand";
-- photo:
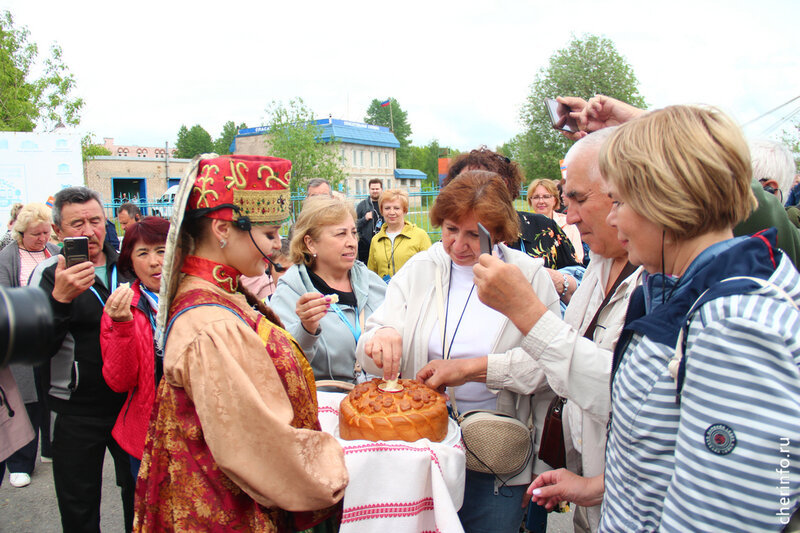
(559, 116)
(76, 250)
(485, 239)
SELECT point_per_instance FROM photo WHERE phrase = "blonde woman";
(707, 381)
(29, 247)
(544, 199)
(324, 298)
(398, 240)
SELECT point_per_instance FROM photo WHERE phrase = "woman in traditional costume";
(234, 441)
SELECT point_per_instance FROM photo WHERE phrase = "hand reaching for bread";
(386, 349)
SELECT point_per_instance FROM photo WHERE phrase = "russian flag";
(386, 103)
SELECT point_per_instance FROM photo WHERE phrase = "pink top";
(27, 262)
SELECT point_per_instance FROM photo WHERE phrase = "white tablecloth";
(399, 486)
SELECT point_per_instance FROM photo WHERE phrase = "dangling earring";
(223, 243)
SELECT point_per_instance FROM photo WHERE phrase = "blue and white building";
(366, 151)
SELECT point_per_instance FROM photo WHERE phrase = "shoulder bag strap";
(627, 270)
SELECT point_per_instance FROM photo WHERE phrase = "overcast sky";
(461, 70)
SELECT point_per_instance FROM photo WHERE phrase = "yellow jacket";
(386, 258)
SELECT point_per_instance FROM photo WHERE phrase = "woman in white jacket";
(435, 287)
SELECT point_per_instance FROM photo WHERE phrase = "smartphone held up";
(485, 239)
(559, 116)
(76, 250)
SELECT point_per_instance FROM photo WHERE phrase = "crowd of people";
(650, 302)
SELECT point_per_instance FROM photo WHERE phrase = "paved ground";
(33, 509)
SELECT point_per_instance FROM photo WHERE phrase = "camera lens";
(26, 325)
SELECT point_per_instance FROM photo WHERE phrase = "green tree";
(791, 139)
(90, 149)
(586, 66)
(222, 145)
(397, 121)
(426, 159)
(27, 101)
(294, 135)
(192, 142)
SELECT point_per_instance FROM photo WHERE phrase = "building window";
(386, 160)
(343, 161)
(361, 158)
(371, 159)
(355, 163)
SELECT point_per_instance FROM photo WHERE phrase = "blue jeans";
(485, 511)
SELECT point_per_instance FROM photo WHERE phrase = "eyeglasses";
(543, 197)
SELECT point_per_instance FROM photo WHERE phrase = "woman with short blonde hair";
(703, 190)
(710, 335)
(30, 215)
(398, 239)
(394, 195)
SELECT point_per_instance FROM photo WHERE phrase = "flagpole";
(391, 119)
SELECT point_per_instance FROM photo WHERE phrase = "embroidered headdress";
(230, 187)
(257, 186)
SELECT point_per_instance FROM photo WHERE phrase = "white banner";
(35, 166)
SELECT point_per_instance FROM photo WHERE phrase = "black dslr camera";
(26, 325)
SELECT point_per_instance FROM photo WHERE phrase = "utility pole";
(166, 162)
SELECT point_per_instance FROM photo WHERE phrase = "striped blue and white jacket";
(725, 454)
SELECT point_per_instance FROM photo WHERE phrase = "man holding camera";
(86, 408)
(369, 218)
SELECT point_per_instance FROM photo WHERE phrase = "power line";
(770, 111)
(780, 121)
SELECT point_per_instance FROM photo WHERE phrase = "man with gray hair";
(318, 186)
(773, 166)
(86, 408)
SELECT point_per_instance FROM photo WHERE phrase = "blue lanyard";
(150, 314)
(111, 289)
(356, 331)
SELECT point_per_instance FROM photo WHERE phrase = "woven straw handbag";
(495, 443)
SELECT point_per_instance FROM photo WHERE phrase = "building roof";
(343, 131)
(409, 173)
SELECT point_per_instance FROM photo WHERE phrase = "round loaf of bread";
(416, 412)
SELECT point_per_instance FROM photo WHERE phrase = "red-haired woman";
(432, 312)
(131, 362)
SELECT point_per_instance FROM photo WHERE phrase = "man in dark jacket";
(86, 408)
(369, 219)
